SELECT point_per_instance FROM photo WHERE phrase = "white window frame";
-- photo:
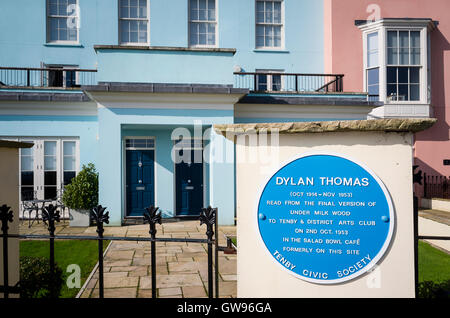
(215, 22)
(38, 162)
(282, 25)
(44, 81)
(75, 16)
(383, 26)
(147, 43)
(269, 79)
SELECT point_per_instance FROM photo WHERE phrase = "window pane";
(26, 163)
(392, 56)
(49, 193)
(372, 41)
(69, 164)
(262, 82)
(202, 39)
(403, 75)
(193, 4)
(414, 75)
(372, 49)
(143, 8)
(391, 75)
(50, 163)
(404, 57)
(69, 148)
(133, 37)
(260, 41)
(260, 12)
(373, 76)
(26, 151)
(53, 23)
(27, 177)
(403, 94)
(268, 15)
(53, 8)
(133, 12)
(73, 34)
(392, 92)
(68, 176)
(277, 12)
(392, 39)
(415, 39)
(276, 83)
(415, 57)
(404, 39)
(50, 178)
(27, 193)
(124, 12)
(415, 92)
(373, 90)
(50, 148)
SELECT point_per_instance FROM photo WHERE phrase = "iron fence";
(436, 187)
(99, 216)
(421, 180)
(289, 82)
(49, 77)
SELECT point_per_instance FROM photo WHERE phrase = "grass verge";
(82, 253)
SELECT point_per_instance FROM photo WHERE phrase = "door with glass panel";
(46, 168)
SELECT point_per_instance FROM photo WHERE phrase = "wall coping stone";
(381, 125)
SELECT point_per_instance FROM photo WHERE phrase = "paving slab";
(181, 269)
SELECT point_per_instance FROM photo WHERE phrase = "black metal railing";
(99, 216)
(49, 77)
(289, 82)
(419, 179)
(436, 187)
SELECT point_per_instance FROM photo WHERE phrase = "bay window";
(396, 64)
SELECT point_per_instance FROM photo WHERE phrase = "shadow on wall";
(439, 46)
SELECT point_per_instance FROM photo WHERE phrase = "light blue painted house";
(134, 86)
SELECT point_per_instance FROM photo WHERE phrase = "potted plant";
(81, 195)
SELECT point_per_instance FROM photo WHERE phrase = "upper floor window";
(62, 21)
(269, 80)
(396, 60)
(134, 22)
(269, 23)
(202, 22)
(403, 65)
(373, 66)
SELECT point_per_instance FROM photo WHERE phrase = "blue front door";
(189, 188)
(140, 181)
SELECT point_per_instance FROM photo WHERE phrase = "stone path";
(181, 268)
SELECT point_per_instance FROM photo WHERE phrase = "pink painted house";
(399, 52)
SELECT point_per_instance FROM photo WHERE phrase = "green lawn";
(434, 265)
(82, 253)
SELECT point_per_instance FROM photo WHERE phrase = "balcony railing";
(50, 77)
(273, 82)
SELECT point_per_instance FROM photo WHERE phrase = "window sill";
(63, 45)
(270, 51)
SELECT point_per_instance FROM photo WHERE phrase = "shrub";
(36, 279)
(82, 192)
(430, 289)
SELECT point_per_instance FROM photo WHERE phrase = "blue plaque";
(325, 218)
